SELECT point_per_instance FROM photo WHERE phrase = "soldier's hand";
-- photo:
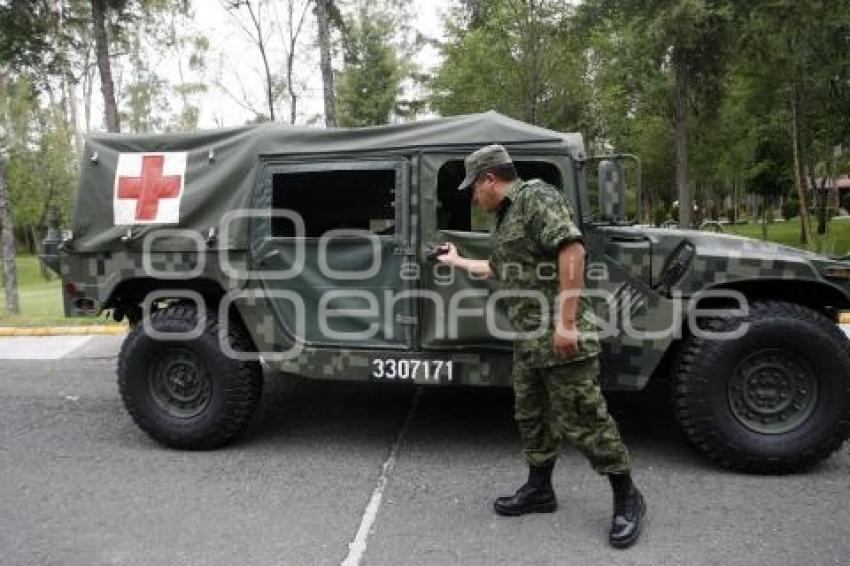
(450, 255)
(566, 340)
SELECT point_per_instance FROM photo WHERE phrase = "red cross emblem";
(148, 188)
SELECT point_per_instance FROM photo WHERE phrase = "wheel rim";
(772, 391)
(179, 383)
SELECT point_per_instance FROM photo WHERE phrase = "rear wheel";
(187, 394)
(776, 399)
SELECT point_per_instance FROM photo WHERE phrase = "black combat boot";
(535, 496)
(629, 509)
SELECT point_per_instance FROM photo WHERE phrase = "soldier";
(556, 367)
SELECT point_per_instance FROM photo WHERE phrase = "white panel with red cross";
(149, 187)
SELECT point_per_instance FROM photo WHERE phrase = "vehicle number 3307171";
(411, 369)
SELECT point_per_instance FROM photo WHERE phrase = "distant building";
(842, 183)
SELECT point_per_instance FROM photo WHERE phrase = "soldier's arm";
(477, 267)
(551, 223)
(571, 275)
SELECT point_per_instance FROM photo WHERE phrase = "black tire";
(206, 410)
(776, 399)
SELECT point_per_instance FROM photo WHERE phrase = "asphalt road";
(81, 485)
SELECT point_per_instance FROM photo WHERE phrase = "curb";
(113, 330)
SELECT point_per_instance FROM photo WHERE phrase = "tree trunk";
(734, 218)
(822, 198)
(76, 135)
(107, 87)
(261, 45)
(764, 205)
(682, 126)
(7, 240)
(67, 82)
(269, 85)
(294, 32)
(324, 33)
(805, 226)
(293, 98)
(88, 87)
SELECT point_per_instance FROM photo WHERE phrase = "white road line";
(40, 347)
(357, 547)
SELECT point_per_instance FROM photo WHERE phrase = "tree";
(23, 45)
(371, 78)
(189, 49)
(7, 243)
(255, 30)
(147, 102)
(107, 86)
(8, 123)
(514, 56)
(24, 41)
(797, 56)
(687, 39)
(769, 177)
(327, 13)
(295, 12)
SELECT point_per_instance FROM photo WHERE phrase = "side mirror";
(612, 190)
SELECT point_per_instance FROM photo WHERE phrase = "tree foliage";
(370, 82)
(514, 56)
(709, 93)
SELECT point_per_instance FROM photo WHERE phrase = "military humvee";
(306, 251)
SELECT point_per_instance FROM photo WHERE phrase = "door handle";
(433, 251)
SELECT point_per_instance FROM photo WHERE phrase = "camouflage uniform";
(555, 398)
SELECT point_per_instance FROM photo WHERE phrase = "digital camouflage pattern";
(229, 169)
(555, 398)
(566, 403)
(533, 223)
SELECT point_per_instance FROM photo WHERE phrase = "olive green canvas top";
(218, 170)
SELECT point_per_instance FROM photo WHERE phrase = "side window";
(362, 199)
(456, 211)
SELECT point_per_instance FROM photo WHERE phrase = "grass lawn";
(836, 241)
(41, 300)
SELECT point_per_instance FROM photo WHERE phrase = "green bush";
(730, 215)
(661, 214)
(790, 208)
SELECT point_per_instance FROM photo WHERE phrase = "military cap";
(482, 160)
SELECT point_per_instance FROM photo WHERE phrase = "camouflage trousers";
(565, 403)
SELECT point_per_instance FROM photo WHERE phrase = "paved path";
(81, 485)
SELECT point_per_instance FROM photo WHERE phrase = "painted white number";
(424, 370)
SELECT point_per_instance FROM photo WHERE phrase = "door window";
(356, 199)
(455, 209)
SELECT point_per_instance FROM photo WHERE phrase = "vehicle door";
(453, 312)
(331, 247)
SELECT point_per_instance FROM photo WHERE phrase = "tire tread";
(242, 394)
(692, 411)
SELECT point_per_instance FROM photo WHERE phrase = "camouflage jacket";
(535, 220)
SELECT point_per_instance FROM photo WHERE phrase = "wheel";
(775, 400)
(187, 394)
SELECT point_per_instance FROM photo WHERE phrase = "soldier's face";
(484, 193)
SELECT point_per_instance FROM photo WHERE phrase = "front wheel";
(776, 399)
(187, 394)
